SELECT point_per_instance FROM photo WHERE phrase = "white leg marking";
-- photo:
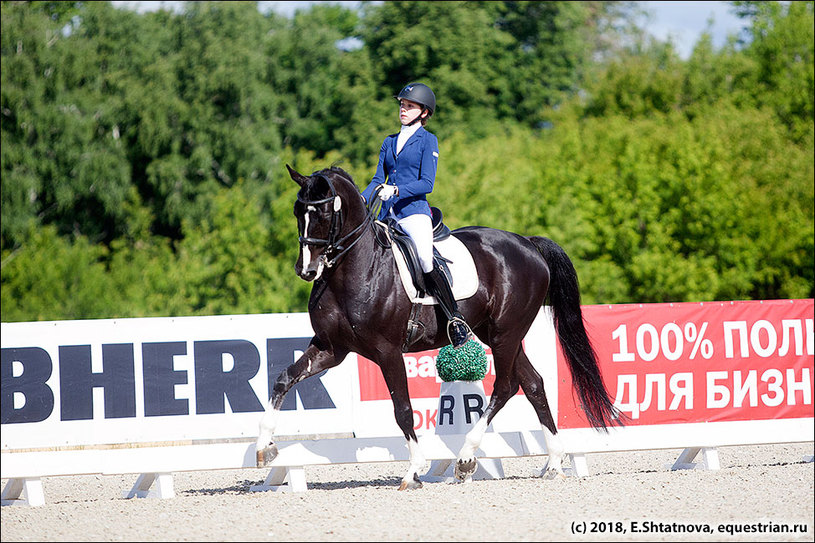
(554, 465)
(268, 424)
(466, 463)
(417, 462)
(473, 439)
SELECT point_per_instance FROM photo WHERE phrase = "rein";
(332, 244)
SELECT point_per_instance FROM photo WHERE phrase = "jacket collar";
(420, 133)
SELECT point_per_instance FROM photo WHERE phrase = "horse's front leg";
(393, 370)
(314, 360)
(466, 463)
(506, 385)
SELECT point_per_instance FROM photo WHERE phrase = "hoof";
(266, 455)
(465, 468)
(552, 473)
(411, 485)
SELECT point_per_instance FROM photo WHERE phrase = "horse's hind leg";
(532, 385)
(313, 361)
(393, 370)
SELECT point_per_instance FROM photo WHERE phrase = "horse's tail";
(564, 298)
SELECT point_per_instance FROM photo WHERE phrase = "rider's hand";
(387, 192)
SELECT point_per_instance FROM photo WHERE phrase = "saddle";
(459, 269)
(408, 248)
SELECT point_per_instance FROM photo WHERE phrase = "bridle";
(332, 244)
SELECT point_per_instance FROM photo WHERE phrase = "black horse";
(358, 305)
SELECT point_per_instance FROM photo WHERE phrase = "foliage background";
(143, 154)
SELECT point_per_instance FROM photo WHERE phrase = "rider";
(405, 175)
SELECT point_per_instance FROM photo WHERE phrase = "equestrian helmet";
(419, 93)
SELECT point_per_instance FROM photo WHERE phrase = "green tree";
(53, 278)
(782, 47)
(143, 154)
(485, 60)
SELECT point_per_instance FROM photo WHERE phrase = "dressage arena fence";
(151, 397)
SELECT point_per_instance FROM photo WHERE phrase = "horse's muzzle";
(312, 272)
(308, 275)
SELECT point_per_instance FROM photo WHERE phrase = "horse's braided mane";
(314, 191)
(334, 169)
(325, 173)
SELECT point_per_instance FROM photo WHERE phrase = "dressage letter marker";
(461, 404)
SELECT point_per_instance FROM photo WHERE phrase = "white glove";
(387, 192)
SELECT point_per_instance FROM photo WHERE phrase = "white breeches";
(420, 229)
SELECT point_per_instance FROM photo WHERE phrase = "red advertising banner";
(699, 362)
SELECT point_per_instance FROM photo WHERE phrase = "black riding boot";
(438, 286)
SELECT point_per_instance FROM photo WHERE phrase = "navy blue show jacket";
(413, 171)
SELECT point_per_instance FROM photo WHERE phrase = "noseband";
(332, 244)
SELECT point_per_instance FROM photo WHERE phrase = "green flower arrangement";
(467, 363)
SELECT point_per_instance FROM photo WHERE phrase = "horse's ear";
(300, 179)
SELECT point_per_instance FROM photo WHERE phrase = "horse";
(357, 304)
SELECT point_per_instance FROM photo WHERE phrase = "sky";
(682, 22)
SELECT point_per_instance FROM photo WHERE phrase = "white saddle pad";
(462, 268)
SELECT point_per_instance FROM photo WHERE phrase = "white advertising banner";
(68, 384)
(93, 382)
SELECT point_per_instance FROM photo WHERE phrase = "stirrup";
(453, 323)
